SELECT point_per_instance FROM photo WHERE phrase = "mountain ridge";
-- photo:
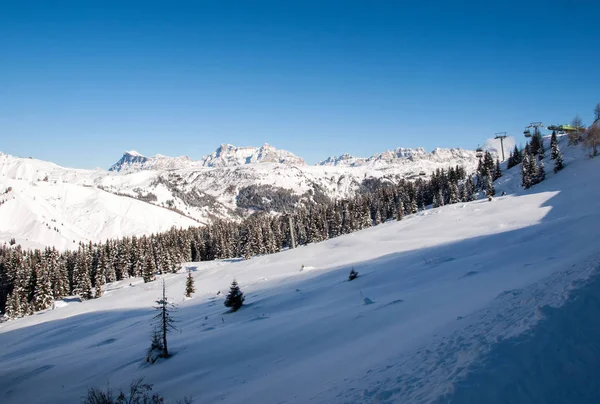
(228, 155)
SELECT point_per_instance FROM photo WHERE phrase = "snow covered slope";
(221, 185)
(437, 295)
(51, 205)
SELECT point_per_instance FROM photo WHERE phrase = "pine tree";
(164, 321)
(454, 196)
(156, 349)
(541, 150)
(470, 189)
(189, 285)
(541, 173)
(377, 217)
(533, 170)
(525, 175)
(235, 298)
(400, 213)
(554, 150)
(558, 162)
(13, 306)
(43, 297)
(149, 269)
(497, 171)
(99, 281)
(414, 208)
(515, 158)
(85, 284)
(81, 275)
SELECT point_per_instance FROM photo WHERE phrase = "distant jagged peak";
(134, 161)
(228, 155)
(133, 153)
(129, 160)
(225, 155)
(400, 155)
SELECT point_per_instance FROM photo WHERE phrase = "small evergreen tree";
(497, 170)
(400, 213)
(100, 280)
(533, 170)
(235, 298)
(42, 297)
(13, 306)
(353, 275)
(164, 322)
(525, 175)
(454, 194)
(553, 146)
(189, 285)
(156, 347)
(558, 162)
(149, 269)
(515, 158)
(541, 173)
(541, 149)
(85, 285)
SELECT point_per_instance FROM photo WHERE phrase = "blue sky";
(82, 81)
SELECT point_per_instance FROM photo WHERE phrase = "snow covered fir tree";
(189, 285)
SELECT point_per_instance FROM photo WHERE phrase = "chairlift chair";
(527, 132)
(479, 152)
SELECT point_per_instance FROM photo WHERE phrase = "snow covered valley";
(480, 302)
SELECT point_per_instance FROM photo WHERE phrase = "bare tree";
(592, 138)
(575, 136)
(597, 113)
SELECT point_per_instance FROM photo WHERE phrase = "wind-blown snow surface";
(438, 295)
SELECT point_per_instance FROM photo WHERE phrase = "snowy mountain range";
(53, 205)
(403, 156)
(226, 155)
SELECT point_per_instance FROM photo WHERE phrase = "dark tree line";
(30, 280)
